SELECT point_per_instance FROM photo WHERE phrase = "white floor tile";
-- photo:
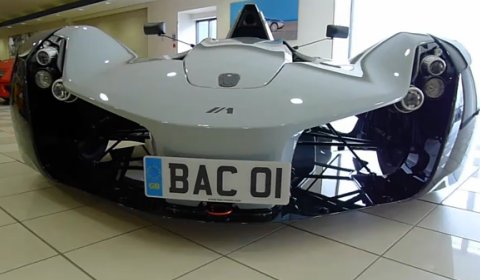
(5, 121)
(293, 254)
(82, 226)
(15, 169)
(14, 155)
(8, 147)
(219, 237)
(454, 221)
(410, 212)
(56, 268)
(384, 269)
(443, 254)
(4, 159)
(20, 184)
(20, 247)
(358, 229)
(7, 140)
(8, 130)
(5, 219)
(224, 269)
(150, 253)
(39, 203)
(472, 185)
(464, 200)
(440, 195)
(5, 134)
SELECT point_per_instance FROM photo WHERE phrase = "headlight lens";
(434, 65)
(43, 79)
(61, 93)
(434, 88)
(46, 55)
(411, 102)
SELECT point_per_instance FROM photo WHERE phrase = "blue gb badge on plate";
(153, 177)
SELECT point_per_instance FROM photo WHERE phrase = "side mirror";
(337, 31)
(155, 28)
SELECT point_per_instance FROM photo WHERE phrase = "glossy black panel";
(21, 114)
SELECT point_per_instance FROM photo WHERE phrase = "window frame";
(197, 27)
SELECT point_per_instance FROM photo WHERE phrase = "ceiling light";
(108, 3)
(81, 9)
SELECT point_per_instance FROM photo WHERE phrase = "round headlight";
(434, 65)
(61, 93)
(43, 79)
(411, 102)
(434, 87)
(46, 55)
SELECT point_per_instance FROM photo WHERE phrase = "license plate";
(230, 181)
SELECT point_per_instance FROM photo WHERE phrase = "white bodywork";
(274, 100)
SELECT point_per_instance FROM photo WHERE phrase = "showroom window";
(196, 25)
(342, 16)
(206, 28)
(444, 19)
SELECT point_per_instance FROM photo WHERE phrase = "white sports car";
(275, 24)
(244, 128)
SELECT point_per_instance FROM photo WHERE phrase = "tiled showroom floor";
(53, 232)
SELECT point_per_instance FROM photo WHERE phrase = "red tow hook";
(219, 210)
(220, 214)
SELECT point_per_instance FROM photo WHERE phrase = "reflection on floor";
(50, 232)
(333, 187)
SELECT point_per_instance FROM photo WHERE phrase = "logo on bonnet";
(228, 79)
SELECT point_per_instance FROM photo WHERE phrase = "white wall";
(186, 31)
(125, 25)
(342, 16)
(314, 16)
(4, 48)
